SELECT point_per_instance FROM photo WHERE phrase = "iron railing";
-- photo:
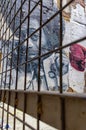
(31, 31)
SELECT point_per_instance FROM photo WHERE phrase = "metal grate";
(25, 26)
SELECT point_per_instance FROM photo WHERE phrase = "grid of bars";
(5, 12)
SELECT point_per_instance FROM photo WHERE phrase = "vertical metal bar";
(18, 48)
(2, 78)
(3, 13)
(16, 84)
(2, 51)
(4, 98)
(85, 80)
(27, 45)
(61, 28)
(9, 80)
(6, 53)
(8, 109)
(11, 62)
(26, 59)
(0, 38)
(39, 65)
(8, 42)
(2, 68)
(61, 77)
(40, 36)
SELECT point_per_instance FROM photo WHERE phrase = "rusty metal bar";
(61, 77)
(16, 82)
(25, 96)
(39, 66)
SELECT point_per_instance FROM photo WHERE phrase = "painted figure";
(50, 40)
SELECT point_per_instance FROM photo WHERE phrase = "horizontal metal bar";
(64, 95)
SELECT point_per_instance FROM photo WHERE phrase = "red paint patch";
(78, 57)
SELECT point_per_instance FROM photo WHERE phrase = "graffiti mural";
(73, 62)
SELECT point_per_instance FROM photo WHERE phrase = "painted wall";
(76, 29)
(74, 57)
